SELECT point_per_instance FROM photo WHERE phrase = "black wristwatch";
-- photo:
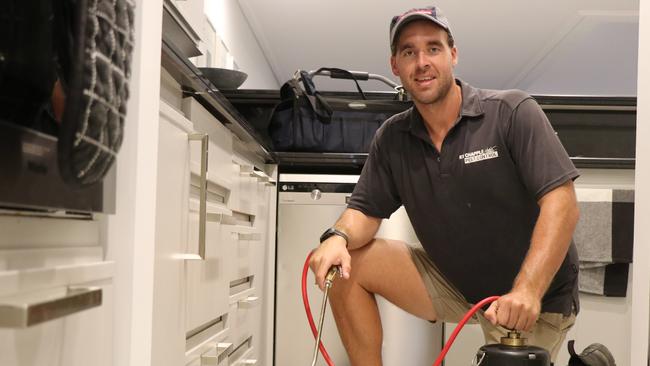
(332, 231)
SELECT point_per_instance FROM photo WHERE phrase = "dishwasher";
(308, 204)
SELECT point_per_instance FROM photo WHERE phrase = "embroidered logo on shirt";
(479, 155)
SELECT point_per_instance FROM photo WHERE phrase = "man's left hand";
(516, 310)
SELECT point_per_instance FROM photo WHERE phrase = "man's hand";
(519, 309)
(332, 252)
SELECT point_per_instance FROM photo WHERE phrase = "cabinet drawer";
(245, 314)
(206, 281)
(245, 250)
(209, 344)
(247, 358)
(72, 340)
(220, 147)
(244, 353)
(244, 186)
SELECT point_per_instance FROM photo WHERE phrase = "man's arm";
(360, 229)
(520, 308)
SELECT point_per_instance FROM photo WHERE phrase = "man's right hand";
(332, 252)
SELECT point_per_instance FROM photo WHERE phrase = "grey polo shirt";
(473, 205)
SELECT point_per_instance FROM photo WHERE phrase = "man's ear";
(393, 66)
(454, 56)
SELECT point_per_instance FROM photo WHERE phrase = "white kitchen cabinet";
(206, 281)
(220, 156)
(244, 186)
(43, 261)
(210, 292)
(172, 204)
(73, 340)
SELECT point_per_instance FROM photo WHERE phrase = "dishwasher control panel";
(319, 188)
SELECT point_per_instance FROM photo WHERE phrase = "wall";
(130, 232)
(234, 29)
(573, 62)
(641, 267)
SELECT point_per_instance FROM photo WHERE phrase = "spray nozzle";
(331, 275)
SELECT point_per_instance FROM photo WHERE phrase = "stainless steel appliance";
(30, 178)
(307, 205)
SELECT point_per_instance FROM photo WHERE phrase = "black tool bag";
(308, 121)
(595, 354)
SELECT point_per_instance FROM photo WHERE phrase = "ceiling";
(577, 47)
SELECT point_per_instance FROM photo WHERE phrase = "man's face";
(424, 61)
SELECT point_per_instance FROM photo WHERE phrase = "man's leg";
(382, 267)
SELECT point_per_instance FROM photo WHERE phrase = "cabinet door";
(244, 190)
(172, 195)
(206, 280)
(56, 293)
(220, 166)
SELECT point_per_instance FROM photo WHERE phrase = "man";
(489, 190)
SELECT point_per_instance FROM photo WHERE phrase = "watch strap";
(332, 231)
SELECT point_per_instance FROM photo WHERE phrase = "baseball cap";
(431, 13)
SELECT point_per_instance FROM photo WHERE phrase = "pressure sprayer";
(512, 351)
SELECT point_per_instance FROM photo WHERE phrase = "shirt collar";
(470, 107)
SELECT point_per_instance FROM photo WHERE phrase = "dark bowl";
(224, 78)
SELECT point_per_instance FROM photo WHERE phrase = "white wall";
(575, 63)
(130, 232)
(641, 266)
(234, 29)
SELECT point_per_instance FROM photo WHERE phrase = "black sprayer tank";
(512, 351)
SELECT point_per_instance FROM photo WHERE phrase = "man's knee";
(368, 261)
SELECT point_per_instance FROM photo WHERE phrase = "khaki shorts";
(451, 306)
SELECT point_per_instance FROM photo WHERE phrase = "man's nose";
(423, 61)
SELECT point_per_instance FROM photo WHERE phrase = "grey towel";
(603, 279)
(606, 227)
(604, 239)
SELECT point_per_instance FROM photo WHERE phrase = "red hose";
(305, 300)
(460, 325)
(445, 349)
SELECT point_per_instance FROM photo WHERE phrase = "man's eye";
(435, 49)
(408, 53)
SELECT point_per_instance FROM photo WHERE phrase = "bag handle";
(292, 90)
(335, 73)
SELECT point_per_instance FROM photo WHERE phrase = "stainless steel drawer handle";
(249, 236)
(217, 355)
(16, 314)
(203, 193)
(224, 348)
(262, 177)
(249, 302)
(247, 362)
